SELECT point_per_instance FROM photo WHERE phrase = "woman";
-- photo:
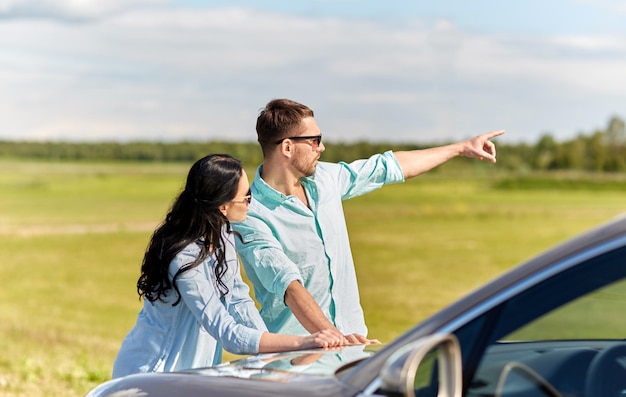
(195, 301)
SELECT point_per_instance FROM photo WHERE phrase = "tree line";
(600, 151)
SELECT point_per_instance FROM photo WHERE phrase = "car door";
(561, 336)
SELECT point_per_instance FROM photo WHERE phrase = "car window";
(600, 314)
(544, 340)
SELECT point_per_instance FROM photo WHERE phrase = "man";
(295, 247)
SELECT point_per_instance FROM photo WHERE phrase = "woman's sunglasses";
(247, 198)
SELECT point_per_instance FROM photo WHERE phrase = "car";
(553, 326)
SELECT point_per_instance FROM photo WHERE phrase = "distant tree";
(600, 151)
(571, 154)
(616, 145)
(616, 132)
(544, 153)
(596, 152)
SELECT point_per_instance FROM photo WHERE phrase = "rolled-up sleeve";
(363, 176)
(242, 307)
(264, 259)
(200, 295)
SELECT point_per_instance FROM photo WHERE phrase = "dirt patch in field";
(74, 229)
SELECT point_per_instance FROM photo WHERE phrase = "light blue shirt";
(284, 240)
(192, 334)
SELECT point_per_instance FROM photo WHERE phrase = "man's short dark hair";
(279, 119)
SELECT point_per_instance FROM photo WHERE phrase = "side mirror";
(430, 366)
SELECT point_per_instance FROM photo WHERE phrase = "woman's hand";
(329, 338)
(325, 339)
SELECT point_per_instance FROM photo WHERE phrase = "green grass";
(427, 242)
(72, 236)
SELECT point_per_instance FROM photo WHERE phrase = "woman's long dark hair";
(194, 218)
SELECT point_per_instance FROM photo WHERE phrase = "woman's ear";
(223, 209)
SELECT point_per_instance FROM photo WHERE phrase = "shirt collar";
(262, 191)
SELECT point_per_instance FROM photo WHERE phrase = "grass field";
(72, 237)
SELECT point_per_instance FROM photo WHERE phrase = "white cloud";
(593, 43)
(167, 73)
(610, 6)
(70, 10)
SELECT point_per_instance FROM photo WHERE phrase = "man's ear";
(286, 148)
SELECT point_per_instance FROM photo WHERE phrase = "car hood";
(306, 373)
(282, 366)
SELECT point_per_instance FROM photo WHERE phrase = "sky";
(385, 71)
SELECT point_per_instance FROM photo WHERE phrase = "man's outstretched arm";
(416, 162)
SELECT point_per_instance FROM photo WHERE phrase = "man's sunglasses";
(315, 138)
